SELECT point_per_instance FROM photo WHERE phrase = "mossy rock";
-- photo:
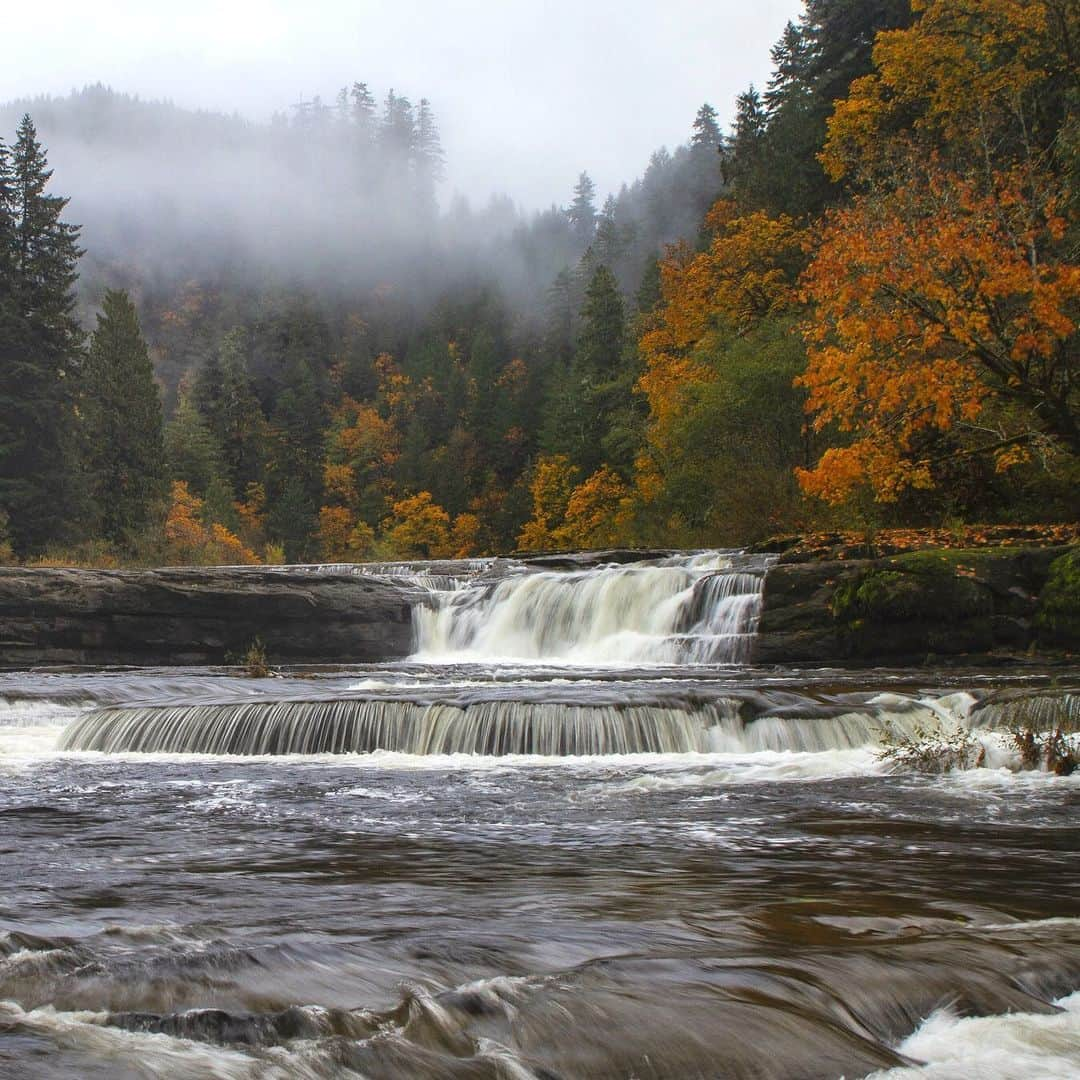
(1058, 617)
(918, 587)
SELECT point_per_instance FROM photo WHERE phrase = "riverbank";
(829, 599)
(995, 604)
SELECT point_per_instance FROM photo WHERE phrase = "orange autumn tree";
(552, 484)
(746, 274)
(946, 297)
(598, 511)
(719, 354)
(361, 450)
(188, 541)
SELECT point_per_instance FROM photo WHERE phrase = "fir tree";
(225, 397)
(362, 109)
(706, 138)
(584, 396)
(192, 453)
(428, 159)
(121, 409)
(40, 346)
(603, 328)
(582, 211)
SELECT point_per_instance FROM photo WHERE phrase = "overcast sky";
(527, 94)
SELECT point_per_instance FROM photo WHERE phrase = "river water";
(573, 836)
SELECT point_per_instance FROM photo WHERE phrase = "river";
(573, 836)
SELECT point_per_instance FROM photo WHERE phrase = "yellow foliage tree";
(598, 511)
(748, 272)
(465, 536)
(552, 484)
(418, 528)
(343, 536)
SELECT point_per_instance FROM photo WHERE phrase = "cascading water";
(682, 610)
(512, 658)
(574, 800)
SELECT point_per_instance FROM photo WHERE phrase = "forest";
(854, 306)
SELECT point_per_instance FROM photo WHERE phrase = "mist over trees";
(323, 360)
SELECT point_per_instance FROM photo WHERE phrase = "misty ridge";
(335, 198)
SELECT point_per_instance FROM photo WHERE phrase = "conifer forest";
(540, 541)
(851, 303)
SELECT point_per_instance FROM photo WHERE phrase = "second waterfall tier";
(686, 609)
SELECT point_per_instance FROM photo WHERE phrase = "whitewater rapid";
(574, 834)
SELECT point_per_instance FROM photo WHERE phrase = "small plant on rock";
(254, 661)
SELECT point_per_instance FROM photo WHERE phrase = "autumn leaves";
(939, 303)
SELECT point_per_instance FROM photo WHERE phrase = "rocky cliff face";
(199, 616)
(909, 608)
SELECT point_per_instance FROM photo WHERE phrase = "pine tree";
(295, 467)
(583, 398)
(362, 109)
(396, 138)
(705, 165)
(603, 329)
(363, 132)
(745, 158)
(582, 211)
(428, 159)
(40, 346)
(123, 437)
(706, 137)
(606, 378)
(607, 245)
(192, 453)
(225, 397)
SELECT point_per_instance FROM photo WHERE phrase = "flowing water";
(573, 836)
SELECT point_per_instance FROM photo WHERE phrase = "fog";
(198, 160)
(528, 94)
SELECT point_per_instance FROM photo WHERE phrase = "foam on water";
(31, 728)
(1017, 1046)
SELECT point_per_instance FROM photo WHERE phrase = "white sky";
(527, 94)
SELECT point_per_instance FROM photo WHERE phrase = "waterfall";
(687, 609)
(493, 727)
(358, 726)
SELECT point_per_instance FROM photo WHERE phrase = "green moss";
(1058, 617)
(920, 586)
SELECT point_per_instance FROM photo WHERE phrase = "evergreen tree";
(40, 346)
(192, 453)
(121, 409)
(294, 481)
(362, 109)
(224, 394)
(585, 395)
(582, 211)
(428, 159)
(396, 139)
(706, 137)
(603, 328)
(745, 159)
(706, 145)
(607, 245)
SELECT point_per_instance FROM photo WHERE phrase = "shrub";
(933, 750)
